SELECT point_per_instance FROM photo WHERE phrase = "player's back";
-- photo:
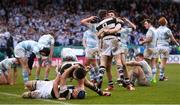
(107, 23)
(91, 39)
(46, 40)
(6, 63)
(164, 34)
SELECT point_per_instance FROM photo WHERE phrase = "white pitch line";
(46, 100)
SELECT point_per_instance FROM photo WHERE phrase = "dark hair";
(113, 11)
(80, 73)
(147, 20)
(102, 13)
(46, 51)
(140, 55)
(81, 94)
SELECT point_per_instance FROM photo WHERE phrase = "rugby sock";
(133, 78)
(25, 76)
(100, 76)
(110, 83)
(121, 72)
(101, 71)
(161, 75)
(92, 74)
(154, 70)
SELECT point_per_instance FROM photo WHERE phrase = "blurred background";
(29, 19)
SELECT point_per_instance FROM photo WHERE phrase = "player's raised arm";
(130, 23)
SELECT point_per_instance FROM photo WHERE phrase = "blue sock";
(154, 70)
(25, 76)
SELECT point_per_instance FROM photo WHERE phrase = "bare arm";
(133, 63)
(147, 40)
(174, 40)
(84, 43)
(114, 30)
(51, 51)
(130, 23)
(86, 21)
(55, 85)
(66, 73)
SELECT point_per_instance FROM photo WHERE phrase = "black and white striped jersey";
(108, 23)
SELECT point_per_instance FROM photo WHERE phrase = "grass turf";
(167, 92)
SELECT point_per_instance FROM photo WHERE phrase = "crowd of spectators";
(29, 19)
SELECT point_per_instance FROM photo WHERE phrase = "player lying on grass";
(44, 89)
(52, 89)
(7, 66)
(141, 71)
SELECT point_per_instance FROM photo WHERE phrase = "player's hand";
(92, 17)
(61, 99)
(106, 93)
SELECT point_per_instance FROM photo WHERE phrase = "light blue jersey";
(46, 40)
(146, 69)
(24, 48)
(164, 34)
(91, 39)
(7, 64)
(124, 36)
(153, 34)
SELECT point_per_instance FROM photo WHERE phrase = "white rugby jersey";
(153, 34)
(164, 34)
(90, 38)
(124, 35)
(30, 46)
(6, 63)
(146, 68)
(46, 40)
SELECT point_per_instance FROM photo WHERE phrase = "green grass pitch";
(167, 92)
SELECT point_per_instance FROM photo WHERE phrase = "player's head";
(102, 14)
(45, 51)
(112, 13)
(163, 21)
(68, 55)
(78, 94)
(147, 23)
(79, 73)
(139, 57)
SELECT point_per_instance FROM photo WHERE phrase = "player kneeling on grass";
(6, 67)
(141, 71)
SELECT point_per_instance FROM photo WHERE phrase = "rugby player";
(22, 52)
(150, 42)
(8, 72)
(164, 37)
(141, 71)
(110, 46)
(48, 41)
(90, 43)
